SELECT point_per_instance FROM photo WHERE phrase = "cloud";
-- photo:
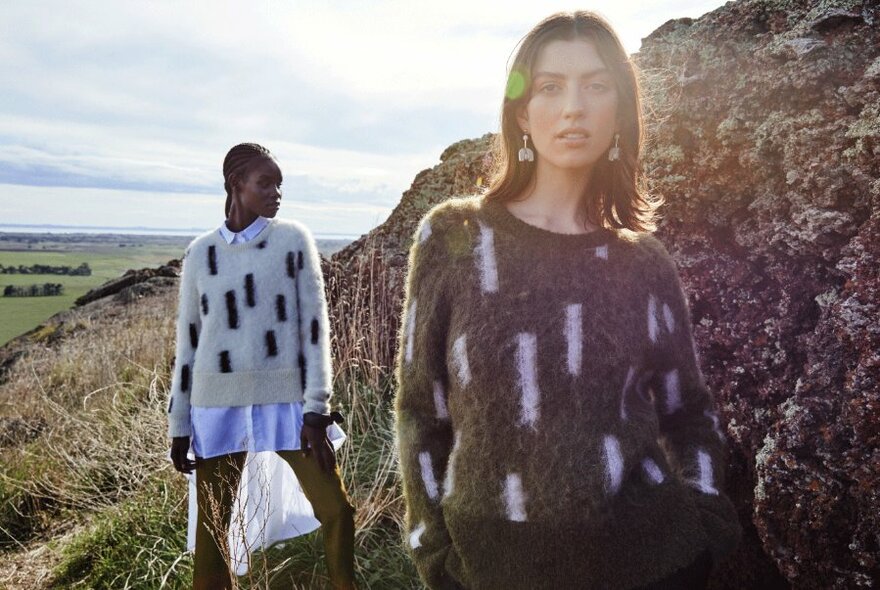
(354, 97)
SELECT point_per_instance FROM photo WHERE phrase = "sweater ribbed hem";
(637, 541)
(262, 387)
(499, 216)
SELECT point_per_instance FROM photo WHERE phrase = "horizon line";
(196, 230)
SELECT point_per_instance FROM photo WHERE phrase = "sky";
(119, 114)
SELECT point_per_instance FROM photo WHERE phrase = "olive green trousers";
(217, 480)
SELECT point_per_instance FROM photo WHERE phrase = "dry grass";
(92, 494)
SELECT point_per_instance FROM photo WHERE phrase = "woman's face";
(260, 193)
(572, 113)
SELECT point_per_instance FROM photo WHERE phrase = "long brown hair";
(614, 197)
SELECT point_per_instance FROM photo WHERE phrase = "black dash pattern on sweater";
(204, 304)
(314, 330)
(232, 309)
(250, 290)
(225, 363)
(193, 336)
(271, 344)
(291, 269)
(184, 377)
(212, 259)
(281, 308)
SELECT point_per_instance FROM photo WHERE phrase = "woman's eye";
(598, 87)
(551, 87)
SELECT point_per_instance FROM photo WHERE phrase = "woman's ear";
(234, 184)
(522, 118)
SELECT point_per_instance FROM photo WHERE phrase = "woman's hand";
(179, 449)
(314, 438)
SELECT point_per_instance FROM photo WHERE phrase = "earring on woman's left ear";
(614, 152)
(525, 153)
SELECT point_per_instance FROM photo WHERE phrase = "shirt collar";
(245, 235)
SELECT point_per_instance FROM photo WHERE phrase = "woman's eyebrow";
(587, 74)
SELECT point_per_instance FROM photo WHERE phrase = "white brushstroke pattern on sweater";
(653, 327)
(613, 463)
(415, 537)
(459, 352)
(440, 400)
(707, 477)
(514, 498)
(485, 256)
(410, 330)
(672, 386)
(527, 364)
(574, 337)
(449, 480)
(428, 475)
(653, 470)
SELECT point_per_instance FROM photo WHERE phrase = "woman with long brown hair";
(553, 426)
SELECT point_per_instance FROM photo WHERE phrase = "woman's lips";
(573, 139)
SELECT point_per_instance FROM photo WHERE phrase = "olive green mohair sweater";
(553, 427)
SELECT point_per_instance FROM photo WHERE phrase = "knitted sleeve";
(189, 326)
(314, 328)
(422, 427)
(688, 417)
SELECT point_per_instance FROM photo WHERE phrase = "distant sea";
(131, 231)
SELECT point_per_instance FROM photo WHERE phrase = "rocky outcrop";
(366, 278)
(767, 153)
(764, 139)
(131, 284)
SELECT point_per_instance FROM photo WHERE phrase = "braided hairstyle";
(239, 161)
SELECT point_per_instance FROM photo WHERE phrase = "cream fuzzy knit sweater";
(252, 325)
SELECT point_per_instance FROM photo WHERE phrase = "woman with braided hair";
(253, 375)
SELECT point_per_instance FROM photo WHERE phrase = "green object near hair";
(516, 85)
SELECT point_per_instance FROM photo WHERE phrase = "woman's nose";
(575, 103)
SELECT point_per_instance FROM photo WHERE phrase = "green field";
(108, 255)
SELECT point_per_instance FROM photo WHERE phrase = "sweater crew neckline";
(499, 215)
(252, 243)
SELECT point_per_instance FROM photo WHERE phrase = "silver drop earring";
(614, 152)
(525, 153)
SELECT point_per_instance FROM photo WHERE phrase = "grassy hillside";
(107, 261)
(88, 498)
(109, 256)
